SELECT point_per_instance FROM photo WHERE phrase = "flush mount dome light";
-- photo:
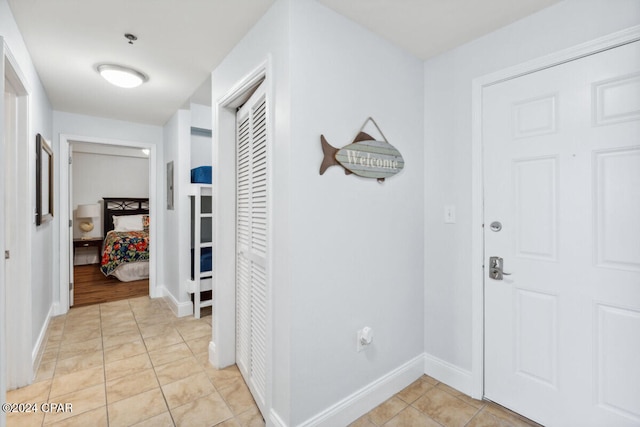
(121, 76)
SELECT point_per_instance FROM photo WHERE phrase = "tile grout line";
(104, 366)
(155, 372)
(474, 415)
(59, 344)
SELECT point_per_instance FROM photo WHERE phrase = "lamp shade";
(88, 211)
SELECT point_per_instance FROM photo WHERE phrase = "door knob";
(496, 268)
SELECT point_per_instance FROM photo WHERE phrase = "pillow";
(145, 222)
(128, 223)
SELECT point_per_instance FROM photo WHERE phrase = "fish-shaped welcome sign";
(365, 156)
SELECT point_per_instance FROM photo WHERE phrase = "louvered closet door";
(251, 256)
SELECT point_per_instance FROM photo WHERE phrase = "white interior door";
(3, 341)
(251, 244)
(18, 219)
(13, 353)
(562, 176)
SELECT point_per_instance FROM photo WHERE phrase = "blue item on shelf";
(201, 175)
(206, 261)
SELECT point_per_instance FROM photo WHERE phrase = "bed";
(125, 251)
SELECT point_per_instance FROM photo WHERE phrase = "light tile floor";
(132, 362)
(429, 403)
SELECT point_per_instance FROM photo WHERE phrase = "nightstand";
(93, 242)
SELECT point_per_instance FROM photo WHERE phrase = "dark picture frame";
(44, 181)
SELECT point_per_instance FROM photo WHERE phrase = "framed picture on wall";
(44, 181)
(170, 186)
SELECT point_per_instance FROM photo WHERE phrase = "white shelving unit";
(201, 239)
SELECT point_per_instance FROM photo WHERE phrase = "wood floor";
(92, 287)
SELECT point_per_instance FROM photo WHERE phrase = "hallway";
(132, 362)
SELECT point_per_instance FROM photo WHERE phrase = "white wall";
(448, 181)
(201, 149)
(41, 238)
(83, 125)
(356, 244)
(97, 175)
(201, 154)
(101, 175)
(347, 252)
(200, 116)
(177, 221)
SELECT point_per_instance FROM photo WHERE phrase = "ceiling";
(181, 41)
(429, 27)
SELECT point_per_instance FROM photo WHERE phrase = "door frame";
(20, 309)
(222, 351)
(62, 304)
(607, 42)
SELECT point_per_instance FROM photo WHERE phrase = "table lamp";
(87, 212)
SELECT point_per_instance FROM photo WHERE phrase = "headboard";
(117, 206)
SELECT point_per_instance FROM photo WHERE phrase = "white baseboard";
(180, 309)
(451, 375)
(157, 291)
(275, 420)
(368, 397)
(213, 357)
(41, 342)
(56, 309)
(212, 354)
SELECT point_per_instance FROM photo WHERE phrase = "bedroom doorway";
(86, 245)
(91, 178)
(90, 165)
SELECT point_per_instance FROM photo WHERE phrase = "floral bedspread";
(121, 247)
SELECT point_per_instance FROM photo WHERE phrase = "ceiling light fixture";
(122, 76)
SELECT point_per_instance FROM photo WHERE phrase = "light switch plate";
(449, 214)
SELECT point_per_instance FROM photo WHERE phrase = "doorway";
(252, 254)
(66, 213)
(92, 177)
(231, 305)
(561, 165)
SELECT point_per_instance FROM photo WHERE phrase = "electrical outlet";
(364, 337)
